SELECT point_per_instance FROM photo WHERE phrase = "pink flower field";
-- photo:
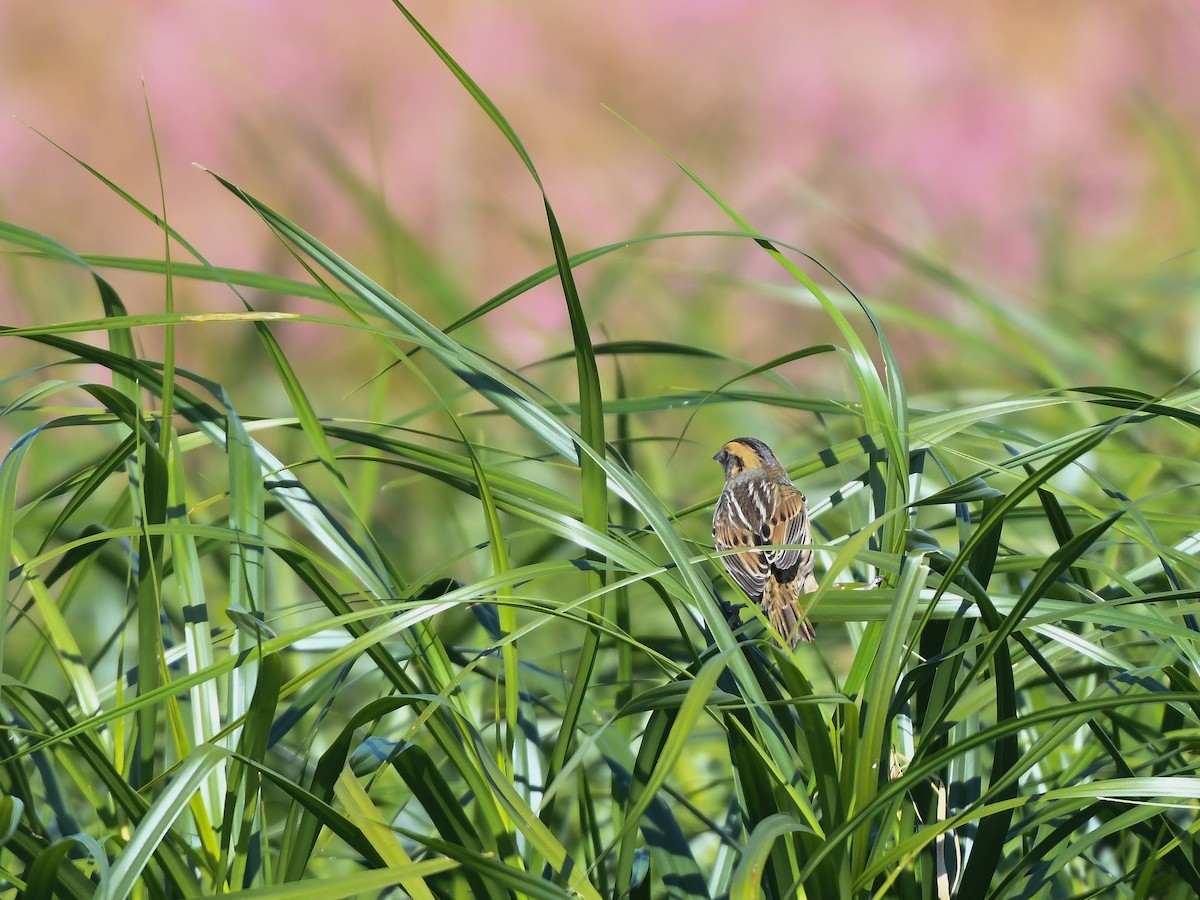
(982, 136)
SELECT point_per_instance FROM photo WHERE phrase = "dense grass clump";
(465, 637)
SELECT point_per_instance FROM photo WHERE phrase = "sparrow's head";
(746, 453)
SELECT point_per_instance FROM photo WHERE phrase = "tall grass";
(468, 644)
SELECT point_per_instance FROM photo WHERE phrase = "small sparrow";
(761, 507)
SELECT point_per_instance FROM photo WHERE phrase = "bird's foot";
(733, 613)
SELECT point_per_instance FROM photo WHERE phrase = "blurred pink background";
(980, 134)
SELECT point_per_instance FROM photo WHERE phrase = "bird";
(760, 507)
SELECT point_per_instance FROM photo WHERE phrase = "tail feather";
(784, 611)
